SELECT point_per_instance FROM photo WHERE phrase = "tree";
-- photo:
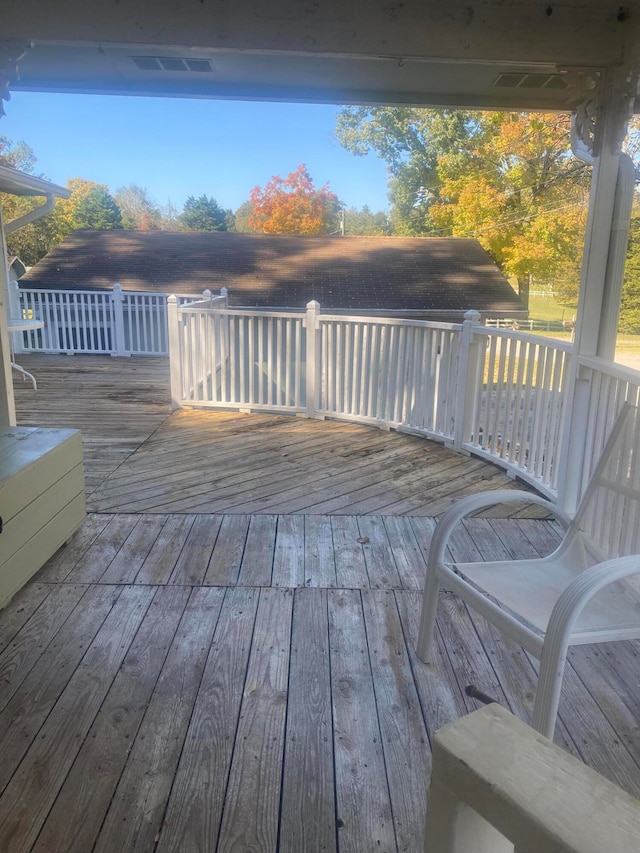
(203, 214)
(139, 211)
(630, 304)
(364, 222)
(292, 205)
(33, 241)
(242, 216)
(97, 209)
(508, 179)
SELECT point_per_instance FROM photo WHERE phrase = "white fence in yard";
(114, 322)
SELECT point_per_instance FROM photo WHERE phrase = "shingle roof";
(341, 273)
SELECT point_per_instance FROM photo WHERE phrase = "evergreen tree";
(203, 214)
(97, 209)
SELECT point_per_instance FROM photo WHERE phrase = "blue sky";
(180, 147)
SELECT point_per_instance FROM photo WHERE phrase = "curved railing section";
(496, 393)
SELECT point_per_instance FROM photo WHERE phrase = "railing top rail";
(323, 318)
(513, 334)
(389, 321)
(107, 291)
(616, 371)
(239, 312)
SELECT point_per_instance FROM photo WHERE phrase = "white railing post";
(573, 438)
(14, 310)
(175, 352)
(467, 380)
(313, 389)
(119, 346)
(224, 293)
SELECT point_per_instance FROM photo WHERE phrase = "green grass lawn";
(546, 308)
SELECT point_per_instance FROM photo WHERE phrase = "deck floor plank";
(134, 817)
(288, 557)
(226, 558)
(19, 658)
(29, 796)
(308, 820)
(404, 738)
(199, 709)
(363, 802)
(194, 810)
(102, 551)
(319, 559)
(252, 803)
(193, 562)
(160, 562)
(21, 608)
(28, 708)
(74, 822)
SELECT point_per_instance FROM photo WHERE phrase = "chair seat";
(530, 589)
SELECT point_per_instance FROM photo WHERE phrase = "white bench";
(42, 499)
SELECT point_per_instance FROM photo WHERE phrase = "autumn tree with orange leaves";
(292, 205)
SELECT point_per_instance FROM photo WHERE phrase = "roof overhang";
(470, 53)
(292, 76)
(18, 183)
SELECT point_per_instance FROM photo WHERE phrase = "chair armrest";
(472, 503)
(580, 591)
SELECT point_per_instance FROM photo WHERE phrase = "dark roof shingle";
(341, 273)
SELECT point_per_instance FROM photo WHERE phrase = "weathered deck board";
(218, 715)
(254, 685)
(141, 458)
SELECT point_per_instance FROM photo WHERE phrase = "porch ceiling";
(415, 52)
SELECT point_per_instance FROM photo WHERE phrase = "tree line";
(507, 179)
(290, 205)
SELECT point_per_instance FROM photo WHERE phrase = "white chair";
(583, 592)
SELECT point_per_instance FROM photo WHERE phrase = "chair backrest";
(608, 517)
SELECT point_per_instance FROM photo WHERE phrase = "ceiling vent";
(172, 63)
(518, 80)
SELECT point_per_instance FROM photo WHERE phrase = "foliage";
(630, 304)
(364, 222)
(203, 214)
(96, 208)
(139, 211)
(508, 179)
(292, 205)
(241, 217)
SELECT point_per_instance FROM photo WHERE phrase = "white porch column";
(596, 311)
(7, 402)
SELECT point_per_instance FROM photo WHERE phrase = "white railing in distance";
(520, 402)
(399, 373)
(496, 393)
(242, 359)
(107, 322)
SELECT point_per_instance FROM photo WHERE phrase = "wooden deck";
(234, 683)
(244, 679)
(140, 457)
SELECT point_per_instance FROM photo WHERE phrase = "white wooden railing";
(112, 322)
(492, 392)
